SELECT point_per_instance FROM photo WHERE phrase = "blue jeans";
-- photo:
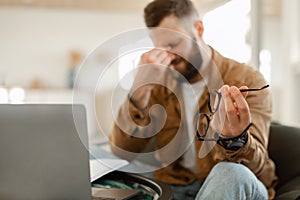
(186, 192)
(225, 181)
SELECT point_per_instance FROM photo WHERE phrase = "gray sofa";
(284, 149)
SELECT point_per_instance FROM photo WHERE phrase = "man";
(179, 74)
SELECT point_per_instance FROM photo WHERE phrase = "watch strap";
(235, 143)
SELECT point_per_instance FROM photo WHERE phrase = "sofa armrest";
(284, 149)
(290, 190)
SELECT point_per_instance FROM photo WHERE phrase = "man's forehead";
(170, 22)
(158, 33)
(162, 36)
(170, 28)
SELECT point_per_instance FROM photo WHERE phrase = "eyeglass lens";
(214, 99)
(202, 124)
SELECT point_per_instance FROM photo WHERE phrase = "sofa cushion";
(284, 149)
(290, 190)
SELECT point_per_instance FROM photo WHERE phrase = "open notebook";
(100, 167)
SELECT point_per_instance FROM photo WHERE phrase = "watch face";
(234, 143)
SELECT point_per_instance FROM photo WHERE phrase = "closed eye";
(173, 45)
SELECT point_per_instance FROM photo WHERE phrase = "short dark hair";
(157, 10)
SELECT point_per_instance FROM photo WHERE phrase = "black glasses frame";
(209, 117)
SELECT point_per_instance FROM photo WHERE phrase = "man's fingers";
(231, 111)
(161, 57)
(244, 93)
(156, 54)
(233, 115)
(167, 61)
(241, 105)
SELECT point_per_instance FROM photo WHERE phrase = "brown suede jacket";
(135, 128)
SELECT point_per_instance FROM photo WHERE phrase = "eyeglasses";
(203, 119)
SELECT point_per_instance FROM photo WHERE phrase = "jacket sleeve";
(133, 128)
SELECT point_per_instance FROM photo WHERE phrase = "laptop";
(42, 155)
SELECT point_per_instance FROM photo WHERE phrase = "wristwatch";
(235, 143)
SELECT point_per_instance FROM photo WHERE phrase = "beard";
(192, 65)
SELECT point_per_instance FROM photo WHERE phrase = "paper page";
(100, 167)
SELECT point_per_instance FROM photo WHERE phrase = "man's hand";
(151, 67)
(233, 115)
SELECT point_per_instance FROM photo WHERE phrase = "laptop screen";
(43, 152)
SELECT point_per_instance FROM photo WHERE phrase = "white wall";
(291, 59)
(34, 42)
(281, 35)
(271, 40)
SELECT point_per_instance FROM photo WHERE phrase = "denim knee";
(232, 181)
(234, 172)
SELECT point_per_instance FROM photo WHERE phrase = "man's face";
(172, 36)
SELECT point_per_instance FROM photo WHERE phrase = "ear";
(199, 28)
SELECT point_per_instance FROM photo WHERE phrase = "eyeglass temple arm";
(254, 89)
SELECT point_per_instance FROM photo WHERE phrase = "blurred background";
(44, 42)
